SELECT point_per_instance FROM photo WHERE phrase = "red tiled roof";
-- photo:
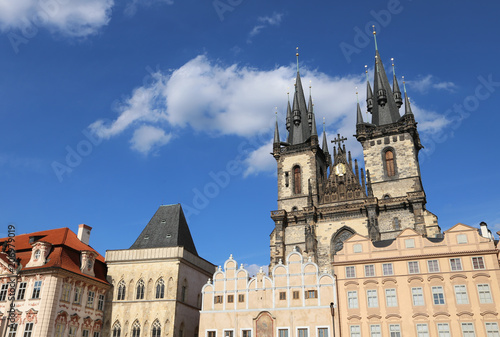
(65, 252)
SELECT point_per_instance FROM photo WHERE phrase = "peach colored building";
(61, 285)
(295, 300)
(414, 286)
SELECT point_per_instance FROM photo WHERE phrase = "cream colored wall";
(262, 294)
(405, 313)
(175, 266)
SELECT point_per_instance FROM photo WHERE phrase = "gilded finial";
(393, 69)
(375, 37)
(404, 84)
(323, 124)
(357, 97)
(297, 54)
(366, 72)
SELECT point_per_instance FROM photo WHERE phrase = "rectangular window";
(443, 330)
(283, 332)
(72, 331)
(282, 295)
(433, 266)
(85, 333)
(456, 264)
(230, 298)
(355, 330)
(218, 299)
(78, 295)
(422, 330)
(387, 269)
(372, 298)
(394, 330)
(461, 294)
(302, 332)
(311, 294)
(357, 248)
(478, 262)
(461, 238)
(211, 333)
(3, 292)
(418, 296)
(97, 334)
(12, 330)
(241, 298)
(36, 289)
(296, 295)
(66, 289)
(228, 333)
(22, 290)
(352, 299)
(369, 270)
(484, 293)
(28, 329)
(322, 332)
(246, 333)
(100, 303)
(413, 267)
(468, 330)
(375, 330)
(438, 295)
(391, 298)
(350, 272)
(409, 243)
(90, 299)
(492, 329)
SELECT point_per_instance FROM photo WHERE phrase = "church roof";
(167, 228)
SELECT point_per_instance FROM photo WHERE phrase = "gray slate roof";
(167, 228)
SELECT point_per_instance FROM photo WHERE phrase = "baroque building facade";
(60, 285)
(156, 283)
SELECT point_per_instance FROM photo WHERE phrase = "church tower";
(324, 201)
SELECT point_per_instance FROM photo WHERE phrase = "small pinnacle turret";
(276, 132)
(407, 100)
(395, 87)
(369, 93)
(359, 116)
(325, 142)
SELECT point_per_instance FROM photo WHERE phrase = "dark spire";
(369, 93)
(370, 190)
(276, 131)
(299, 129)
(325, 142)
(407, 100)
(395, 87)
(314, 131)
(385, 110)
(288, 113)
(359, 117)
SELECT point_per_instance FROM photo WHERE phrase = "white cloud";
(233, 100)
(264, 22)
(146, 137)
(253, 269)
(426, 83)
(75, 18)
(131, 7)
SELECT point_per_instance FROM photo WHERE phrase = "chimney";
(484, 231)
(84, 233)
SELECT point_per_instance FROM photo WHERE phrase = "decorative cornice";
(374, 316)
(418, 278)
(489, 312)
(481, 274)
(441, 314)
(435, 276)
(370, 281)
(354, 317)
(393, 316)
(468, 313)
(457, 276)
(420, 314)
(389, 280)
(351, 282)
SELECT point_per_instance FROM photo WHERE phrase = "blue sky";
(109, 109)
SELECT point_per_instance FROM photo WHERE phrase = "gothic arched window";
(117, 329)
(156, 330)
(136, 329)
(389, 163)
(140, 290)
(338, 240)
(297, 182)
(184, 291)
(160, 288)
(397, 226)
(121, 291)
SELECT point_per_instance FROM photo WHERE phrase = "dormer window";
(89, 264)
(37, 254)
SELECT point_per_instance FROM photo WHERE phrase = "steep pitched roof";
(65, 252)
(167, 228)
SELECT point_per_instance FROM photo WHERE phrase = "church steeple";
(385, 109)
(300, 130)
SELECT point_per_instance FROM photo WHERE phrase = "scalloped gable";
(460, 227)
(408, 232)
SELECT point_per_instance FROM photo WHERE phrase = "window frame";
(478, 263)
(412, 269)
(355, 330)
(374, 332)
(456, 264)
(28, 332)
(461, 295)
(422, 333)
(37, 290)
(417, 295)
(369, 270)
(350, 272)
(481, 293)
(468, 333)
(433, 266)
(446, 332)
(352, 301)
(391, 300)
(372, 300)
(395, 333)
(438, 295)
(389, 270)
